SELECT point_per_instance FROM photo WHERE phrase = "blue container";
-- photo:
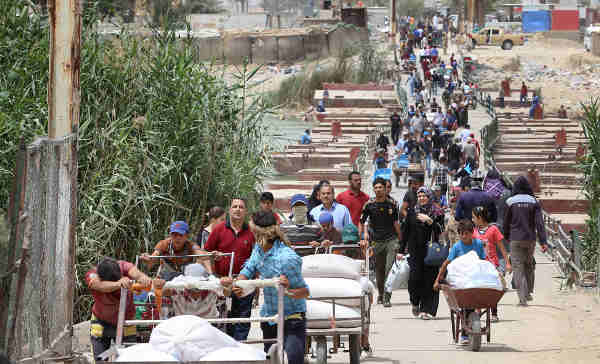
(537, 21)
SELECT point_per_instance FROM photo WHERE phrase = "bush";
(160, 138)
(590, 165)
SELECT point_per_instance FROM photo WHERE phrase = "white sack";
(189, 338)
(335, 287)
(398, 276)
(468, 271)
(142, 353)
(236, 354)
(317, 310)
(330, 266)
(182, 282)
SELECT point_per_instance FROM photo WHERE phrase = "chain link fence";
(42, 249)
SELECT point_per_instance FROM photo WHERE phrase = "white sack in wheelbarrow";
(239, 353)
(335, 287)
(330, 266)
(468, 271)
(189, 338)
(143, 353)
(398, 276)
(318, 310)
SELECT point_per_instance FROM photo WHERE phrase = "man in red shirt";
(105, 282)
(235, 236)
(353, 198)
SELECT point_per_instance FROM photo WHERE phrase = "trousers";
(521, 255)
(385, 255)
(420, 285)
(240, 307)
(294, 338)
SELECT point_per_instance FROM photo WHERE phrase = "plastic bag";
(189, 338)
(468, 271)
(330, 266)
(398, 276)
(142, 353)
(236, 354)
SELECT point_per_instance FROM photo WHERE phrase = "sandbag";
(189, 338)
(335, 287)
(398, 276)
(330, 266)
(142, 353)
(317, 310)
(239, 353)
(468, 271)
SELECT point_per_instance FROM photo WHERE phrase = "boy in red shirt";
(105, 282)
(492, 238)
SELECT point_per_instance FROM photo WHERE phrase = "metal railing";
(564, 248)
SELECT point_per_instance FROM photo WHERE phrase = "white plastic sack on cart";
(330, 266)
(250, 285)
(142, 353)
(335, 287)
(318, 310)
(189, 338)
(398, 276)
(239, 353)
(468, 271)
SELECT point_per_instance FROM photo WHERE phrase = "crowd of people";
(448, 200)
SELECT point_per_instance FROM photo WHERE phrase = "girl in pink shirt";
(491, 237)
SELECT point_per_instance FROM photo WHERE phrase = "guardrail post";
(576, 248)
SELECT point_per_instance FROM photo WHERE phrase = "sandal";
(426, 316)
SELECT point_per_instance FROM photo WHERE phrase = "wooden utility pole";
(63, 120)
(393, 22)
(63, 84)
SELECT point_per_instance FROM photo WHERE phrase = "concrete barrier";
(265, 50)
(209, 49)
(291, 48)
(315, 46)
(235, 50)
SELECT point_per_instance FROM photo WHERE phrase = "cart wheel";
(354, 346)
(475, 341)
(321, 350)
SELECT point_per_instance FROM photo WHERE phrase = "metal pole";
(280, 323)
(63, 83)
(393, 20)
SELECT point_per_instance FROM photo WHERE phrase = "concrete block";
(315, 46)
(264, 50)
(235, 50)
(209, 49)
(291, 48)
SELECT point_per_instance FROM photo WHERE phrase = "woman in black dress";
(422, 223)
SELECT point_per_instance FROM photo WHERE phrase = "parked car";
(496, 36)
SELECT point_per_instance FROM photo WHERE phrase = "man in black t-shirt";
(384, 235)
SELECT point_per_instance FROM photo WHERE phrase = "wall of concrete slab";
(278, 49)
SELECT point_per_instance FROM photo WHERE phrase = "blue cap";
(426, 133)
(180, 227)
(325, 218)
(298, 198)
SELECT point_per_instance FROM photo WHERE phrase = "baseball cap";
(180, 227)
(436, 188)
(325, 218)
(298, 198)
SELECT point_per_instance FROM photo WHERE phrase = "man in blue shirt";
(341, 214)
(272, 258)
(306, 138)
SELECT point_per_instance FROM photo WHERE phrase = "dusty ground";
(566, 73)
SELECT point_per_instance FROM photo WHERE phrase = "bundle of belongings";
(189, 338)
(468, 271)
(334, 275)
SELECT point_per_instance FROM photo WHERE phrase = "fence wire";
(40, 313)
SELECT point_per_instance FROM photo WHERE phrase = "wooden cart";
(478, 302)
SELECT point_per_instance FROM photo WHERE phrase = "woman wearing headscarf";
(423, 224)
(523, 218)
